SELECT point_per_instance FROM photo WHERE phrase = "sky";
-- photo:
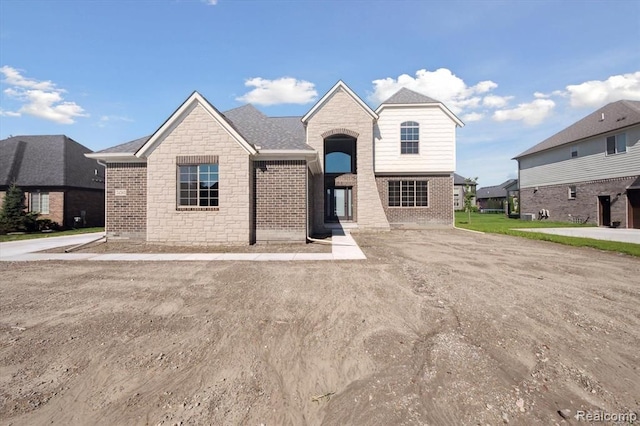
(515, 72)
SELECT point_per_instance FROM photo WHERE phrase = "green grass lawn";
(17, 237)
(500, 224)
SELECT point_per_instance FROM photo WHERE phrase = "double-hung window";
(617, 144)
(40, 202)
(408, 193)
(409, 137)
(198, 185)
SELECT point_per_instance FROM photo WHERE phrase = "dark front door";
(604, 202)
(338, 204)
(633, 195)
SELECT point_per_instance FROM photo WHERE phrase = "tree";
(12, 216)
(469, 195)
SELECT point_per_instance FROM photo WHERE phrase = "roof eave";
(115, 157)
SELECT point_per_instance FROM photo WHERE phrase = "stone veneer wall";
(126, 200)
(341, 114)
(280, 200)
(439, 211)
(555, 198)
(199, 134)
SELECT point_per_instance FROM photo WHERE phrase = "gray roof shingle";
(128, 147)
(267, 132)
(617, 115)
(47, 161)
(459, 180)
(407, 96)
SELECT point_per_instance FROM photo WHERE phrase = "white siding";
(437, 151)
(557, 167)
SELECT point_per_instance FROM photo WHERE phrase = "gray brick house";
(588, 172)
(240, 177)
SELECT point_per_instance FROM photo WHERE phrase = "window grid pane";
(422, 197)
(621, 143)
(408, 193)
(394, 193)
(409, 137)
(198, 185)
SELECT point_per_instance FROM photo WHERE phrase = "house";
(495, 197)
(588, 172)
(459, 186)
(240, 177)
(59, 182)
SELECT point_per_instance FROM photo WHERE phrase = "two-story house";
(588, 172)
(240, 177)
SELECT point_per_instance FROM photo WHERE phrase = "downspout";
(103, 164)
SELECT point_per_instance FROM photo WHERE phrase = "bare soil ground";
(436, 327)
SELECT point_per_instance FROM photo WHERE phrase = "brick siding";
(438, 212)
(555, 198)
(126, 211)
(280, 200)
(56, 206)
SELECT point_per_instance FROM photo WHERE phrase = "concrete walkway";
(343, 247)
(609, 234)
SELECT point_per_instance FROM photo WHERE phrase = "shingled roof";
(283, 133)
(496, 191)
(611, 117)
(407, 96)
(46, 161)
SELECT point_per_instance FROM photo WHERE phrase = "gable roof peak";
(408, 96)
(340, 85)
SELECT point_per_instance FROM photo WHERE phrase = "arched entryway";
(340, 161)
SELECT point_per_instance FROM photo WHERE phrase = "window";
(198, 185)
(408, 193)
(617, 144)
(40, 202)
(572, 192)
(574, 151)
(409, 137)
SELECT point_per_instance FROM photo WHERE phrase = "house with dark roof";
(241, 177)
(459, 188)
(588, 172)
(59, 182)
(495, 197)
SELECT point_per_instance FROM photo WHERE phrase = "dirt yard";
(436, 327)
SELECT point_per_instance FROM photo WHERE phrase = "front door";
(604, 202)
(338, 204)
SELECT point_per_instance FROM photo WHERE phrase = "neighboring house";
(59, 182)
(495, 197)
(240, 177)
(588, 172)
(459, 185)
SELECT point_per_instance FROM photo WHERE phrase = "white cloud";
(493, 101)
(9, 113)
(285, 90)
(40, 99)
(210, 2)
(440, 84)
(105, 119)
(596, 93)
(531, 113)
(472, 116)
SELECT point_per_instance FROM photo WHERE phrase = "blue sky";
(516, 72)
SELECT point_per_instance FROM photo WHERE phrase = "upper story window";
(40, 202)
(574, 151)
(198, 185)
(409, 137)
(617, 144)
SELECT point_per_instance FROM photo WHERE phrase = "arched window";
(338, 162)
(409, 137)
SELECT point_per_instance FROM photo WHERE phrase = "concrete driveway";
(15, 248)
(610, 234)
